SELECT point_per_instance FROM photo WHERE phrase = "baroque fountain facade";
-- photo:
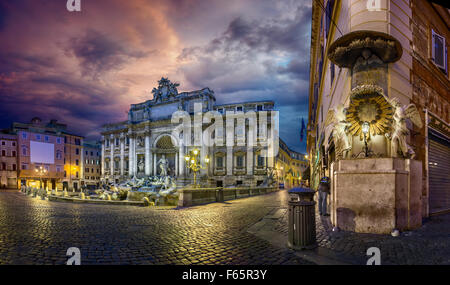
(146, 155)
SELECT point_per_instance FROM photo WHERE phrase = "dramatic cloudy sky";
(86, 68)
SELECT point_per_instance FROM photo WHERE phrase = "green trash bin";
(301, 219)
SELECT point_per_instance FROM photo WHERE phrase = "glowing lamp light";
(192, 161)
(365, 127)
(186, 158)
(207, 160)
(195, 151)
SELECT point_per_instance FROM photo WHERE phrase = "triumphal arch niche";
(376, 183)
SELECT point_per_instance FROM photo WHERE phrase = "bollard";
(301, 219)
(82, 196)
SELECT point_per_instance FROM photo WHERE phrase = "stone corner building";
(135, 146)
(380, 50)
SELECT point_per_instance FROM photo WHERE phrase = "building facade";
(137, 146)
(290, 166)
(40, 154)
(73, 161)
(92, 163)
(418, 31)
(8, 161)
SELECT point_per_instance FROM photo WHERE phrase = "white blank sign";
(42, 152)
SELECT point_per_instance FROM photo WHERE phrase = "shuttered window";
(439, 172)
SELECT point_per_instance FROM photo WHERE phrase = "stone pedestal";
(376, 195)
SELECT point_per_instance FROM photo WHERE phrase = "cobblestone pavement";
(35, 231)
(428, 245)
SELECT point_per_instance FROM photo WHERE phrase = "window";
(77, 162)
(13, 153)
(3, 143)
(65, 173)
(328, 15)
(3, 166)
(24, 166)
(92, 170)
(107, 143)
(239, 109)
(240, 161)
(58, 154)
(77, 141)
(46, 138)
(86, 152)
(24, 136)
(14, 167)
(13, 143)
(58, 168)
(219, 162)
(58, 140)
(117, 141)
(439, 51)
(260, 160)
(259, 108)
(77, 151)
(331, 73)
(87, 161)
(76, 175)
(65, 139)
(86, 170)
(92, 153)
(220, 110)
(3, 152)
(38, 137)
(128, 142)
(92, 161)
(87, 177)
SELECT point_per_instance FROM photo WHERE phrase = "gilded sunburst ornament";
(367, 104)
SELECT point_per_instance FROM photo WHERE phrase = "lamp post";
(365, 129)
(40, 171)
(194, 163)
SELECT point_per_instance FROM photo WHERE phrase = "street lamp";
(365, 127)
(194, 163)
(40, 171)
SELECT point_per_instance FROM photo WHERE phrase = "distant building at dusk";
(290, 166)
(92, 166)
(40, 154)
(8, 160)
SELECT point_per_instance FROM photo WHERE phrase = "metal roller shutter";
(439, 172)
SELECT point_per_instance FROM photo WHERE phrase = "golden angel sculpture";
(342, 141)
(399, 147)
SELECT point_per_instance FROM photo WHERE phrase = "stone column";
(176, 164)
(181, 161)
(229, 160)
(122, 153)
(154, 164)
(103, 157)
(131, 156)
(250, 160)
(147, 155)
(111, 144)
